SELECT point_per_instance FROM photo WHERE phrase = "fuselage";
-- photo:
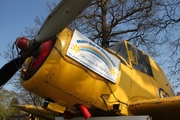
(60, 77)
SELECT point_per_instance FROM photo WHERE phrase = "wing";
(38, 111)
(159, 109)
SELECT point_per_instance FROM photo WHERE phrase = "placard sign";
(93, 56)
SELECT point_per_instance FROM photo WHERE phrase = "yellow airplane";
(79, 78)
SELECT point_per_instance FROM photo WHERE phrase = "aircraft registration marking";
(162, 93)
(88, 53)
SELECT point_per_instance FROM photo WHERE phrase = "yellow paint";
(56, 107)
(68, 83)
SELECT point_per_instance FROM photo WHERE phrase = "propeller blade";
(9, 69)
(63, 14)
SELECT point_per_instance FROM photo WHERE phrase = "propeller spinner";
(63, 14)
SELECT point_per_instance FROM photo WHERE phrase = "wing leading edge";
(159, 109)
(38, 111)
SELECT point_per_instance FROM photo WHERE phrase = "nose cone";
(22, 42)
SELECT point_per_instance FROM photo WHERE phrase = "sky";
(15, 16)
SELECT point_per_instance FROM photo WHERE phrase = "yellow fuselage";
(67, 82)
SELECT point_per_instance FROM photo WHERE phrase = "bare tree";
(151, 25)
(173, 24)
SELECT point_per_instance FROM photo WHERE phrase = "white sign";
(93, 56)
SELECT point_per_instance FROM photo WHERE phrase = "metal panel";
(64, 13)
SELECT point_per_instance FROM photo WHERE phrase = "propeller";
(63, 14)
(9, 69)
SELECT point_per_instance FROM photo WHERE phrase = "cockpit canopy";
(131, 55)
